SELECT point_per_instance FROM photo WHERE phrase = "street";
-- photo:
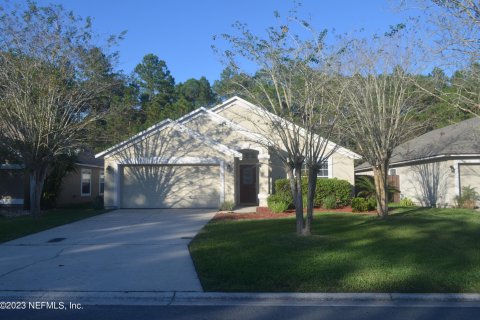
(244, 312)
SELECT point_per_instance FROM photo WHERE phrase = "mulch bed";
(265, 213)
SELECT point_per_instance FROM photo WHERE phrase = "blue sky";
(180, 31)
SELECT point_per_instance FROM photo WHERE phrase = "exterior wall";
(167, 146)
(70, 190)
(343, 168)
(12, 187)
(468, 175)
(427, 184)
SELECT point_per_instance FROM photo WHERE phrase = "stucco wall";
(342, 167)
(168, 145)
(427, 184)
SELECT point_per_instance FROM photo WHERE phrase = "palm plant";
(366, 187)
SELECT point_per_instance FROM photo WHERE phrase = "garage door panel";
(171, 186)
(470, 176)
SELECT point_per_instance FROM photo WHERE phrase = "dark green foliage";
(365, 187)
(329, 202)
(362, 204)
(277, 203)
(53, 182)
(359, 204)
(341, 190)
(98, 203)
(283, 191)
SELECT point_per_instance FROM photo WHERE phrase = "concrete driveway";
(123, 250)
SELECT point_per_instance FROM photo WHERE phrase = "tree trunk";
(37, 178)
(381, 184)
(312, 186)
(296, 188)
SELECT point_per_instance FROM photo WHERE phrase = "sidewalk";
(258, 299)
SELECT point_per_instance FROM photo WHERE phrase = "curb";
(166, 298)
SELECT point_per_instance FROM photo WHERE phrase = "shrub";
(340, 189)
(277, 203)
(371, 204)
(98, 203)
(227, 206)
(468, 198)
(406, 202)
(283, 191)
(359, 204)
(330, 202)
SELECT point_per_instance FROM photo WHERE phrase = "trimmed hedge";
(340, 189)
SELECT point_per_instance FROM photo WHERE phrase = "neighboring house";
(203, 159)
(433, 167)
(82, 185)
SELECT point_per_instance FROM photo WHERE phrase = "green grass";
(13, 228)
(415, 250)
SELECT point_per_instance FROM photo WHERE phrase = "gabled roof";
(457, 140)
(222, 120)
(213, 113)
(161, 126)
(243, 103)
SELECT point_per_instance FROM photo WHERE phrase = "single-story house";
(82, 185)
(433, 168)
(203, 159)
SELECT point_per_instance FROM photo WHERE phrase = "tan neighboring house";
(82, 185)
(433, 168)
(203, 159)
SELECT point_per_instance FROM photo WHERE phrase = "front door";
(248, 184)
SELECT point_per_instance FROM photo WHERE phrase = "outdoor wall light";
(229, 168)
(452, 169)
(109, 169)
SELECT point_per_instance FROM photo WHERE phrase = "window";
(322, 172)
(86, 184)
(101, 182)
(392, 172)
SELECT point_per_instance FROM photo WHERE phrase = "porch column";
(263, 178)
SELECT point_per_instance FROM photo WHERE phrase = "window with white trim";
(322, 172)
(101, 182)
(86, 183)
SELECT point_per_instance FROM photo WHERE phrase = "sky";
(181, 31)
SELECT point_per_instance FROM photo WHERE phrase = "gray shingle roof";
(462, 138)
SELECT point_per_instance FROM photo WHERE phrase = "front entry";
(248, 184)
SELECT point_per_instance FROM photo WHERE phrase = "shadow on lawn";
(416, 251)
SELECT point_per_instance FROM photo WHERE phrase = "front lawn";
(415, 250)
(13, 228)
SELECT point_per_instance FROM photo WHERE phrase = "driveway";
(123, 250)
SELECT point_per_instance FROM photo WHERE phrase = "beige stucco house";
(203, 159)
(433, 167)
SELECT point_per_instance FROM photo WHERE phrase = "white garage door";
(170, 186)
(470, 176)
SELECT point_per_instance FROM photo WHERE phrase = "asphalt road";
(251, 312)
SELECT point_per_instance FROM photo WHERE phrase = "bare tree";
(379, 99)
(46, 87)
(294, 88)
